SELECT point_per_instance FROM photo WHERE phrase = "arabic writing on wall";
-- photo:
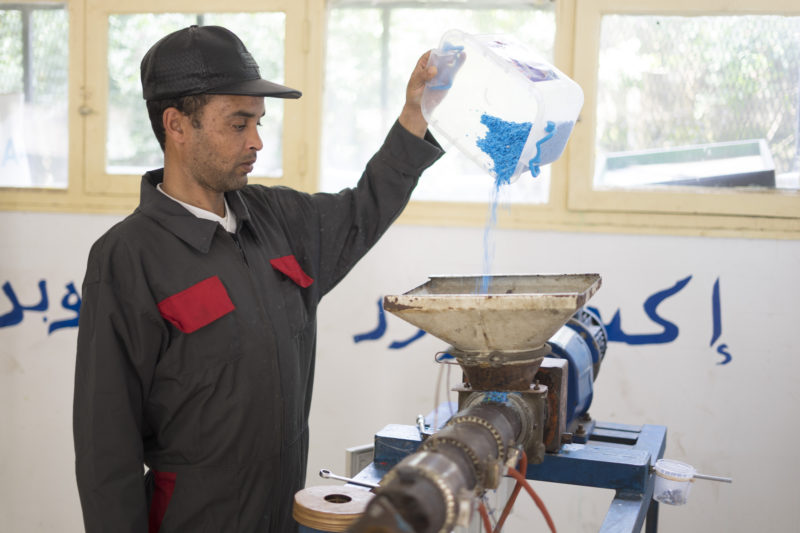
(668, 333)
(71, 302)
(669, 330)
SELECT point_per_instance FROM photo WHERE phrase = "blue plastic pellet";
(496, 396)
(503, 143)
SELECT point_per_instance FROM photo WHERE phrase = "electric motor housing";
(582, 342)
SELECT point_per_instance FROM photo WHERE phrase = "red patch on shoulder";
(288, 265)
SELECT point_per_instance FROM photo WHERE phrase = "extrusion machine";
(529, 352)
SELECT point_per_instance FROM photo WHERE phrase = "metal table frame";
(615, 456)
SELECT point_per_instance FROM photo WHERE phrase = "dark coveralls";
(196, 348)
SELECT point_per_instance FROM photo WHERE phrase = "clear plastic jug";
(499, 103)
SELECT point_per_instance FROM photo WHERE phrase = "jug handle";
(453, 57)
(533, 163)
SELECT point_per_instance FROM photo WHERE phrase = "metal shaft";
(327, 474)
(432, 490)
(714, 478)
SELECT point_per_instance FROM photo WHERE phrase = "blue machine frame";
(616, 456)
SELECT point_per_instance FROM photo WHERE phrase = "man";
(197, 333)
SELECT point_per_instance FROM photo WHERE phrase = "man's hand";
(411, 117)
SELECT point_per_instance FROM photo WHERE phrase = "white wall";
(736, 419)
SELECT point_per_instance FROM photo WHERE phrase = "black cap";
(204, 60)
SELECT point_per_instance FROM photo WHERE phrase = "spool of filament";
(328, 508)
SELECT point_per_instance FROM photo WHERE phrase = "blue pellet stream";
(503, 143)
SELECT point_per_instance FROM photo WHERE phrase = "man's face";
(222, 151)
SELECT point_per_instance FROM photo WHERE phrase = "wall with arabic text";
(702, 340)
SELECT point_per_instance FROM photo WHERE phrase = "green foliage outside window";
(677, 81)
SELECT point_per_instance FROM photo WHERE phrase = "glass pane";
(378, 47)
(34, 59)
(131, 146)
(698, 101)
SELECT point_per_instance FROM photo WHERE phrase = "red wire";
(485, 517)
(522, 467)
(539, 503)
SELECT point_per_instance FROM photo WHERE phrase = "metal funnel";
(518, 313)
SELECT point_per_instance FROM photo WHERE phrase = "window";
(688, 110)
(372, 48)
(34, 55)
(698, 101)
(75, 134)
(119, 138)
(131, 147)
(690, 122)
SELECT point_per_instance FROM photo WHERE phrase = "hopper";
(518, 313)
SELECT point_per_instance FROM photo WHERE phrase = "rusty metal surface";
(516, 376)
(517, 313)
(531, 405)
(553, 374)
(501, 371)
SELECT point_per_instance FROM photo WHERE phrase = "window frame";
(466, 214)
(387, 11)
(46, 198)
(573, 204)
(706, 202)
(97, 180)
(90, 188)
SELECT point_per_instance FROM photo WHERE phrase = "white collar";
(228, 221)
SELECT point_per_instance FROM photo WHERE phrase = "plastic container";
(500, 104)
(673, 482)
